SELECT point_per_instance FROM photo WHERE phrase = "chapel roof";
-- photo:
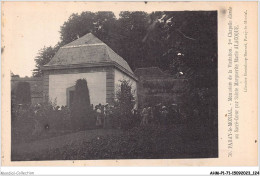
(88, 50)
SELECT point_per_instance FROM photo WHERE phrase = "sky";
(28, 27)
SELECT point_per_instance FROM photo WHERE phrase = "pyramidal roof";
(87, 51)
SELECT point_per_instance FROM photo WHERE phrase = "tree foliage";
(100, 24)
(177, 42)
(125, 96)
(80, 109)
(124, 103)
(44, 56)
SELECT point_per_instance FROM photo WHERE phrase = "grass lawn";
(40, 148)
(149, 142)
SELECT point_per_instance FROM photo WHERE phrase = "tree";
(81, 109)
(14, 75)
(189, 41)
(125, 102)
(132, 29)
(44, 56)
(100, 24)
(177, 42)
(123, 35)
(76, 26)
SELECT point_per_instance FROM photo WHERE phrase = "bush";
(22, 124)
(49, 117)
(23, 93)
(39, 121)
(123, 105)
(81, 109)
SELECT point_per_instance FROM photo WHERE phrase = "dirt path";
(60, 141)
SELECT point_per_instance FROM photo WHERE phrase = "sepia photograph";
(127, 85)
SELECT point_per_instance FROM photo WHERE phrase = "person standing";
(99, 116)
(108, 112)
(144, 116)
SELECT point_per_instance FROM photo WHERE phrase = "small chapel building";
(91, 59)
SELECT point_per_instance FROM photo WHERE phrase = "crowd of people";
(157, 114)
(103, 115)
